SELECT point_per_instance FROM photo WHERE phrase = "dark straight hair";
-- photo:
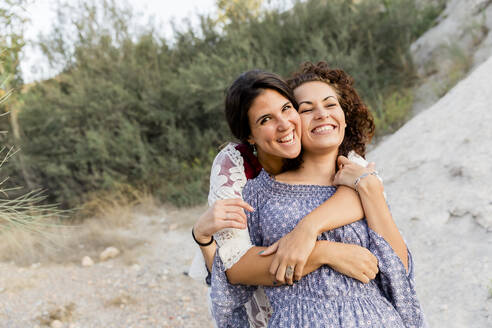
(242, 93)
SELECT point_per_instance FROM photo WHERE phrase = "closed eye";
(305, 110)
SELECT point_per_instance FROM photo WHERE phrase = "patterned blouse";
(324, 298)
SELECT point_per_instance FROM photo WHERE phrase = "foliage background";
(131, 110)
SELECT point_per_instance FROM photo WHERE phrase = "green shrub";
(460, 62)
(396, 109)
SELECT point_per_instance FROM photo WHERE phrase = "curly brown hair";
(360, 123)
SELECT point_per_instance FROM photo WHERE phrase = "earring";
(255, 152)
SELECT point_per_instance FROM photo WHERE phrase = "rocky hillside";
(458, 43)
(437, 167)
(437, 172)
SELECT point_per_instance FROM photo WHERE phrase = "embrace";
(298, 232)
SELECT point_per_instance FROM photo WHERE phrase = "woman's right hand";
(292, 250)
(353, 261)
(225, 213)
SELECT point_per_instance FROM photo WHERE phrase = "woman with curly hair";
(334, 120)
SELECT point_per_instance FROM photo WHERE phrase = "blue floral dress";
(325, 297)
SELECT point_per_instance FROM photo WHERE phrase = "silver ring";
(289, 271)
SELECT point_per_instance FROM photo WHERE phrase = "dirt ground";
(145, 286)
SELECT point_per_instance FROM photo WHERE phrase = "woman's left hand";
(349, 171)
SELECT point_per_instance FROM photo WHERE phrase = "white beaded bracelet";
(375, 173)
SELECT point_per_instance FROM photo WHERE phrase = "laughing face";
(322, 118)
(275, 126)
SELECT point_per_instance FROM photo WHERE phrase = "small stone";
(173, 226)
(56, 324)
(443, 307)
(35, 265)
(136, 267)
(456, 171)
(87, 261)
(109, 253)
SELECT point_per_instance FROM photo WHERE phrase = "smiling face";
(322, 118)
(275, 126)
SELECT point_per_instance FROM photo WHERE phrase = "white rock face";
(464, 22)
(462, 38)
(109, 253)
(437, 171)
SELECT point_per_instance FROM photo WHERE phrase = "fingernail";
(261, 252)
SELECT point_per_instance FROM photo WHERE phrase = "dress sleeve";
(227, 180)
(397, 285)
(251, 194)
(228, 300)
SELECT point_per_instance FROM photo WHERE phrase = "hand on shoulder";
(352, 173)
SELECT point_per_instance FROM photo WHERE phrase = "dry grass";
(62, 313)
(183, 217)
(111, 219)
(120, 301)
(117, 208)
(111, 224)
